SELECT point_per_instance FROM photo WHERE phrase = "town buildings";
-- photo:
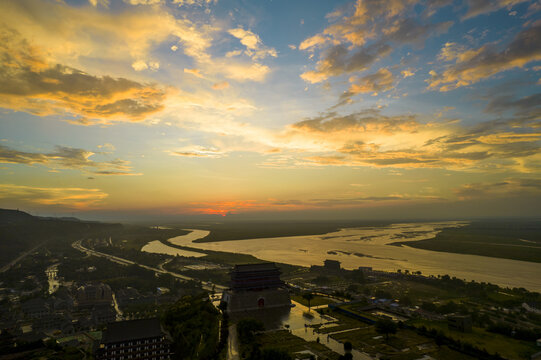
(134, 339)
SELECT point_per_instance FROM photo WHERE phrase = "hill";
(20, 232)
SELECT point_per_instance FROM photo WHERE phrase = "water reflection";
(299, 325)
(368, 246)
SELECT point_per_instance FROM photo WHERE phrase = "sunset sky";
(380, 108)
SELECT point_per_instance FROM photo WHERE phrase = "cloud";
(95, 3)
(141, 65)
(220, 85)
(382, 80)
(74, 198)
(82, 37)
(479, 7)
(143, 2)
(369, 138)
(475, 65)
(407, 73)
(198, 151)
(194, 72)
(369, 120)
(502, 189)
(317, 40)
(107, 146)
(338, 60)
(67, 158)
(244, 71)
(28, 83)
(432, 6)
(355, 41)
(193, 2)
(530, 104)
(75, 33)
(254, 46)
(243, 206)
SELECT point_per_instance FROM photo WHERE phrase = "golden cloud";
(382, 80)
(28, 83)
(67, 158)
(74, 198)
(198, 151)
(254, 46)
(74, 32)
(220, 85)
(475, 65)
(369, 138)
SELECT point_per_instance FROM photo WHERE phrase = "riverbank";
(505, 240)
(345, 246)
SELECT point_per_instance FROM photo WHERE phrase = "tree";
(193, 325)
(308, 297)
(386, 327)
(275, 354)
(246, 329)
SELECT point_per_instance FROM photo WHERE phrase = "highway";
(160, 270)
(20, 257)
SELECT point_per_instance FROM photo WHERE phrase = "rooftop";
(131, 330)
(255, 267)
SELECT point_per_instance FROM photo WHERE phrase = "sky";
(292, 109)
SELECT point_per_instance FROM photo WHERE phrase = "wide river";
(368, 246)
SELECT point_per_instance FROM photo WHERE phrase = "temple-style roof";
(266, 266)
(255, 276)
(131, 330)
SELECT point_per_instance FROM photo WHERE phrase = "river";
(368, 246)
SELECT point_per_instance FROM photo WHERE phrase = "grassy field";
(283, 340)
(506, 347)
(508, 240)
(405, 344)
(411, 289)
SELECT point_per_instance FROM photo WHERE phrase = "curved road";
(207, 286)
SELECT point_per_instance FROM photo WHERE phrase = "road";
(20, 257)
(205, 285)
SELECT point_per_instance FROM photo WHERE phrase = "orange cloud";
(28, 83)
(220, 85)
(369, 138)
(224, 208)
(382, 80)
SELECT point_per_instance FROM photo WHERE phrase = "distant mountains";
(14, 216)
(8, 216)
(20, 232)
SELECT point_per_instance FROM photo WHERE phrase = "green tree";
(386, 327)
(275, 354)
(246, 328)
(193, 325)
(308, 297)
